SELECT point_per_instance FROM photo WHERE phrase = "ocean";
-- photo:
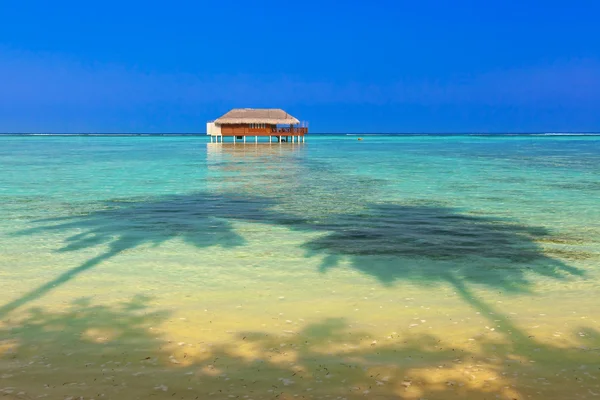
(394, 267)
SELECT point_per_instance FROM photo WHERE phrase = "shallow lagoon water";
(427, 267)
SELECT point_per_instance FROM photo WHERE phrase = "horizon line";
(547, 133)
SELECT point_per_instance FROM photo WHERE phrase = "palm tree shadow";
(201, 220)
(432, 245)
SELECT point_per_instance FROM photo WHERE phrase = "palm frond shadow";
(434, 244)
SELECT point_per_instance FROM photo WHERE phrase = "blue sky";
(354, 66)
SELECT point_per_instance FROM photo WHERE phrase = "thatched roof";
(257, 116)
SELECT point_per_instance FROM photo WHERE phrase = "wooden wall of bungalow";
(260, 130)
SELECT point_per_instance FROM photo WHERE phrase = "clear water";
(427, 267)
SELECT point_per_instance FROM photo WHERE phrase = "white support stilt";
(256, 139)
(244, 138)
(270, 139)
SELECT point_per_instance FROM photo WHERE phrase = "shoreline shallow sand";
(172, 271)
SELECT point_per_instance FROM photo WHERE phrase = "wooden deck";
(268, 131)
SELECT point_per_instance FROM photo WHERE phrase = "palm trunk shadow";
(497, 318)
(58, 281)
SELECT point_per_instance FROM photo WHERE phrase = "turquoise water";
(392, 267)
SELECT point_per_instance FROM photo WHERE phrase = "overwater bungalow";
(240, 123)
